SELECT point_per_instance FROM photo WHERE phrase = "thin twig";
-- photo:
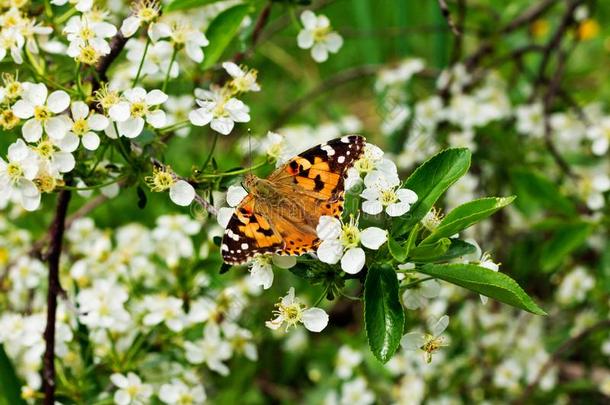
(447, 15)
(53, 290)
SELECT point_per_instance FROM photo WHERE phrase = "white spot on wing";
(244, 246)
(341, 159)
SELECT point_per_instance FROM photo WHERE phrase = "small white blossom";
(83, 124)
(575, 286)
(382, 193)
(341, 242)
(131, 390)
(317, 34)
(178, 393)
(417, 296)
(211, 350)
(40, 110)
(356, 392)
(80, 5)
(429, 342)
(138, 109)
(243, 80)
(347, 360)
(261, 268)
(291, 311)
(219, 111)
(17, 175)
(182, 35)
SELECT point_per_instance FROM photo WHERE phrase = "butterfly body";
(281, 212)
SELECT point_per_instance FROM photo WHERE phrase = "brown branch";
(556, 356)
(447, 15)
(53, 290)
(261, 22)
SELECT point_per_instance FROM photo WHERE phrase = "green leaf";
(431, 252)
(566, 239)
(383, 313)
(221, 31)
(467, 215)
(429, 181)
(458, 248)
(398, 251)
(10, 387)
(536, 192)
(484, 281)
(187, 4)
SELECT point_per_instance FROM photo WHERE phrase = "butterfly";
(280, 213)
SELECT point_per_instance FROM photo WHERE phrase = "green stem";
(416, 282)
(95, 187)
(173, 127)
(169, 69)
(65, 16)
(319, 300)
(207, 159)
(79, 82)
(232, 172)
(135, 80)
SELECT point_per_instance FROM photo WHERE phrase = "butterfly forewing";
(311, 184)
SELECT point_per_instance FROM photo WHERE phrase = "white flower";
(417, 296)
(181, 192)
(11, 41)
(143, 11)
(101, 306)
(163, 309)
(575, 286)
(372, 160)
(356, 392)
(429, 342)
(317, 34)
(342, 242)
(83, 124)
(261, 268)
(41, 109)
(347, 360)
(508, 374)
(88, 39)
(219, 111)
(17, 174)
(243, 80)
(80, 5)
(131, 114)
(600, 135)
(240, 339)
(178, 393)
(291, 312)
(131, 389)
(591, 185)
(398, 75)
(211, 350)
(235, 194)
(382, 193)
(182, 35)
(55, 156)
(530, 119)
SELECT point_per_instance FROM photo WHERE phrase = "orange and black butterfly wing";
(317, 176)
(249, 233)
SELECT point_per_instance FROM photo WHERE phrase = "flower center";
(350, 236)
(45, 149)
(15, 172)
(364, 165)
(41, 113)
(8, 120)
(46, 183)
(80, 127)
(13, 90)
(88, 55)
(106, 98)
(147, 10)
(219, 110)
(86, 33)
(138, 109)
(160, 180)
(133, 390)
(319, 34)
(387, 197)
(291, 313)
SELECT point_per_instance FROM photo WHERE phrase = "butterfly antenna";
(250, 150)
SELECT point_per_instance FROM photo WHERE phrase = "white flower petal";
(91, 141)
(235, 194)
(330, 251)
(58, 101)
(412, 341)
(55, 127)
(200, 117)
(328, 228)
(182, 193)
(155, 97)
(156, 118)
(373, 237)
(353, 260)
(315, 319)
(31, 130)
(284, 262)
(23, 109)
(131, 128)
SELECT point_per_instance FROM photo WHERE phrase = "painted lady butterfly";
(281, 212)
